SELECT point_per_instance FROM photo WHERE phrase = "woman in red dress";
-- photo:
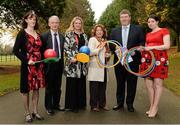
(28, 48)
(158, 41)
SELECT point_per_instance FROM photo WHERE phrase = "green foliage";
(110, 17)
(12, 11)
(172, 18)
(168, 11)
(173, 81)
(77, 8)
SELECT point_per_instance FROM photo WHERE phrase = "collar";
(52, 32)
(126, 26)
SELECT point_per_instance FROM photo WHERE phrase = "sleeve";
(111, 37)
(67, 48)
(18, 47)
(86, 39)
(92, 46)
(165, 31)
(44, 44)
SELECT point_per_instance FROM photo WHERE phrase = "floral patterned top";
(71, 49)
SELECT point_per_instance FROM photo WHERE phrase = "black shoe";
(130, 108)
(50, 112)
(59, 109)
(117, 107)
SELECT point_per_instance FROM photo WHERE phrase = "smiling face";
(54, 23)
(99, 32)
(152, 23)
(77, 24)
(31, 21)
(125, 19)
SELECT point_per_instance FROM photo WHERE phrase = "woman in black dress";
(28, 48)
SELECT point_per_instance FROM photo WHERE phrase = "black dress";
(75, 97)
(25, 48)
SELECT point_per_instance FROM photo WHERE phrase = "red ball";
(50, 53)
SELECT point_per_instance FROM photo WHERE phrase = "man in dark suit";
(53, 71)
(128, 35)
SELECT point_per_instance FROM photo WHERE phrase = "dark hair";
(155, 17)
(29, 14)
(125, 11)
(93, 32)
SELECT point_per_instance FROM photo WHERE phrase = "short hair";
(29, 14)
(125, 11)
(54, 16)
(93, 32)
(155, 17)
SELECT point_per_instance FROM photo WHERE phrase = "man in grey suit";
(128, 35)
(53, 71)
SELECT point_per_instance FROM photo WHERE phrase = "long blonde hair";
(71, 27)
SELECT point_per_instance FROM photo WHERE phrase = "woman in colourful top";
(75, 72)
(28, 48)
(158, 41)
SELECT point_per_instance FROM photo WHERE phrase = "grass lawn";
(9, 83)
(173, 81)
(9, 76)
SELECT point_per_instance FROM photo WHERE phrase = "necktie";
(124, 36)
(56, 47)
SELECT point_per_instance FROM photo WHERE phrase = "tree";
(167, 10)
(77, 8)
(172, 17)
(12, 11)
(110, 17)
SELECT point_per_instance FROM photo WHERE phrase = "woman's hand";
(73, 60)
(148, 48)
(31, 62)
(107, 54)
(101, 45)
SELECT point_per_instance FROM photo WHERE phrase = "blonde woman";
(97, 75)
(75, 71)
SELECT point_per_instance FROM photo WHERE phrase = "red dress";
(35, 72)
(161, 68)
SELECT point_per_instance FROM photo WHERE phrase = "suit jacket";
(136, 37)
(48, 44)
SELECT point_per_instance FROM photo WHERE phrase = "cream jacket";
(95, 71)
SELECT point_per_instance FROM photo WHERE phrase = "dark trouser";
(75, 97)
(53, 88)
(123, 76)
(97, 94)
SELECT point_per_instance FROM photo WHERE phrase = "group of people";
(30, 46)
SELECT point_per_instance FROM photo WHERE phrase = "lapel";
(130, 35)
(61, 41)
(49, 40)
(119, 35)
